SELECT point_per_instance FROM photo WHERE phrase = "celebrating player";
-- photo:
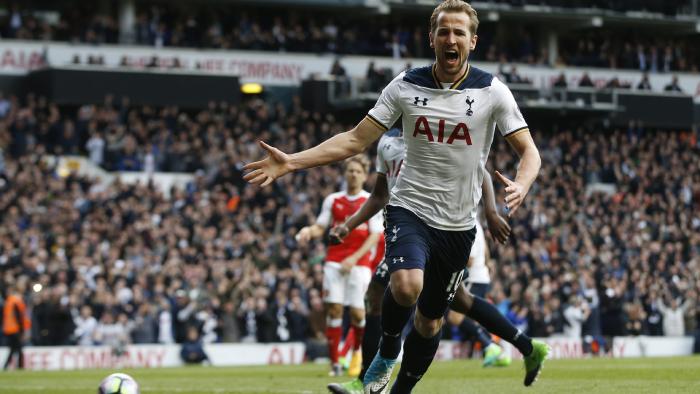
(348, 270)
(390, 155)
(449, 112)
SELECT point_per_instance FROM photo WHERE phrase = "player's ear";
(472, 44)
(430, 37)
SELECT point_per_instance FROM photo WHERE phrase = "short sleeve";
(505, 110)
(381, 163)
(387, 109)
(376, 223)
(324, 218)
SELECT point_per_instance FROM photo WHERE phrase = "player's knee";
(455, 318)
(462, 302)
(406, 286)
(357, 316)
(374, 299)
(334, 311)
(426, 327)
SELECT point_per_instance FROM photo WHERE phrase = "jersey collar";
(454, 85)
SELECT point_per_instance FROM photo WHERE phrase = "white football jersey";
(448, 134)
(478, 271)
(390, 154)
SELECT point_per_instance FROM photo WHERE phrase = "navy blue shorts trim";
(442, 255)
(478, 289)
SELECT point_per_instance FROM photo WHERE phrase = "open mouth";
(451, 55)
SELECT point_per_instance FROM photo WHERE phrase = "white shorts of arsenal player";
(346, 289)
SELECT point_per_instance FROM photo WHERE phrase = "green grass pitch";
(649, 375)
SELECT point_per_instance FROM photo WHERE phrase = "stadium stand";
(611, 230)
(221, 255)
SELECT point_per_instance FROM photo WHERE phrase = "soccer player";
(449, 111)
(347, 271)
(390, 155)
(478, 283)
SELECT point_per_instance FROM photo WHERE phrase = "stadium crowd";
(313, 32)
(115, 264)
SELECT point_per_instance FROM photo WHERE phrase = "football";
(118, 383)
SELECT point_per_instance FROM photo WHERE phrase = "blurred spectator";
(560, 82)
(585, 81)
(575, 314)
(673, 85)
(644, 84)
(85, 326)
(192, 351)
(674, 323)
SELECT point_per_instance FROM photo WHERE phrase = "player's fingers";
(252, 174)
(265, 146)
(271, 150)
(256, 180)
(268, 181)
(505, 181)
(511, 188)
(254, 165)
(512, 197)
(513, 209)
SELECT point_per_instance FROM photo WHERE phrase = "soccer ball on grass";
(118, 383)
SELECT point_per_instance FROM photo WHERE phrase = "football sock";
(418, 353)
(334, 331)
(472, 330)
(488, 316)
(359, 331)
(394, 318)
(370, 342)
(348, 343)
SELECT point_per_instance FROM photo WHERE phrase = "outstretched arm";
(336, 148)
(521, 141)
(376, 201)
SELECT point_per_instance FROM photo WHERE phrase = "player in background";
(390, 154)
(452, 110)
(478, 284)
(347, 271)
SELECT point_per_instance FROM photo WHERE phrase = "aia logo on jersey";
(460, 131)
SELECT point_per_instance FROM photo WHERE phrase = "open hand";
(515, 193)
(264, 172)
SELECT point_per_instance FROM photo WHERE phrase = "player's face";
(355, 175)
(452, 41)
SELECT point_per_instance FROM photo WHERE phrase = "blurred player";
(347, 271)
(449, 112)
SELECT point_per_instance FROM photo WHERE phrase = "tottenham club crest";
(470, 101)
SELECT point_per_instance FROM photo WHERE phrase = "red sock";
(333, 334)
(359, 334)
(349, 342)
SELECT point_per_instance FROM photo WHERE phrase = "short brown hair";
(360, 159)
(455, 6)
